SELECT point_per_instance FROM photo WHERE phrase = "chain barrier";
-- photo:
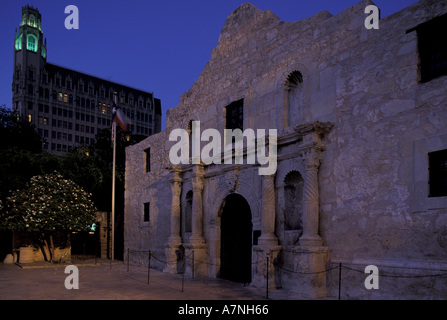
(401, 276)
(275, 264)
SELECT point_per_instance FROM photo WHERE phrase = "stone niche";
(298, 261)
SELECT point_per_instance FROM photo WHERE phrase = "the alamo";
(361, 176)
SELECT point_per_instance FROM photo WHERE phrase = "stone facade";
(355, 125)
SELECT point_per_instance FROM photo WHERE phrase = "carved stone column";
(174, 241)
(311, 210)
(268, 236)
(196, 250)
(197, 206)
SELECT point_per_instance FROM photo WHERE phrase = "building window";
(432, 48)
(32, 21)
(31, 43)
(146, 211)
(235, 115)
(18, 43)
(437, 162)
(147, 160)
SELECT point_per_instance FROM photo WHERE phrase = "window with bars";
(432, 48)
(235, 115)
(437, 162)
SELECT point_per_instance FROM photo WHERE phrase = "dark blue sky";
(156, 46)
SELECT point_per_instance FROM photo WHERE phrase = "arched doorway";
(236, 239)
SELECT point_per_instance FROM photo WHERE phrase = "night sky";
(156, 46)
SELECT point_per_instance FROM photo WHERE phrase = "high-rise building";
(69, 107)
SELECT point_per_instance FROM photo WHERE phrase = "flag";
(119, 118)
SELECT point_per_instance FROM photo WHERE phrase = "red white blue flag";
(119, 118)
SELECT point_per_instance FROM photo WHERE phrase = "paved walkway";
(105, 281)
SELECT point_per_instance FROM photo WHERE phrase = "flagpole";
(113, 189)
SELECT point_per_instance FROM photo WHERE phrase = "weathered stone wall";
(373, 205)
(152, 187)
(370, 209)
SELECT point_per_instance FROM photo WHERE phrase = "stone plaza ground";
(105, 281)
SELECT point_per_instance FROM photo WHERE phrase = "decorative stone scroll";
(312, 146)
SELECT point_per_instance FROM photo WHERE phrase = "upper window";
(31, 43)
(32, 21)
(235, 115)
(432, 48)
(18, 43)
(147, 158)
(437, 162)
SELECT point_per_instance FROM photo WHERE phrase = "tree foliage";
(48, 203)
(89, 167)
(17, 132)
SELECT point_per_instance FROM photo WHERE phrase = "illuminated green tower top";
(30, 33)
(30, 55)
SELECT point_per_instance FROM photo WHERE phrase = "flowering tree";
(48, 204)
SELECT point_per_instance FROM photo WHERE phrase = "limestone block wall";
(147, 187)
(371, 210)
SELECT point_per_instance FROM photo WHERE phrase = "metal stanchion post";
(267, 282)
(183, 272)
(149, 267)
(192, 264)
(339, 280)
(128, 256)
